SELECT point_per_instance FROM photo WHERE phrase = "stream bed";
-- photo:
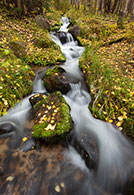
(95, 159)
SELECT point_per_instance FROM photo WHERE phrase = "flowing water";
(97, 148)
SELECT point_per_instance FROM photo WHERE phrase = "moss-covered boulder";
(18, 49)
(52, 118)
(55, 80)
(45, 43)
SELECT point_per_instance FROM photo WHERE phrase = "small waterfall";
(38, 84)
(66, 23)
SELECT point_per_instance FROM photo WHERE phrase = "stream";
(97, 159)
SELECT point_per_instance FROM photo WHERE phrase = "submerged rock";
(55, 80)
(52, 118)
(7, 128)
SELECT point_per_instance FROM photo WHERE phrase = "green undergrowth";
(112, 92)
(15, 79)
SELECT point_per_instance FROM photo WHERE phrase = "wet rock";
(36, 98)
(42, 22)
(85, 144)
(75, 31)
(52, 118)
(27, 145)
(55, 80)
(62, 36)
(7, 128)
(18, 49)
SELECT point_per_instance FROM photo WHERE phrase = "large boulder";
(55, 80)
(52, 117)
(45, 43)
(75, 31)
(18, 49)
(42, 22)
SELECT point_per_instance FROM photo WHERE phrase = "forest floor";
(108, 66)
(23, 46)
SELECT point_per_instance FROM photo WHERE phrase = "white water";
(116, 153)
(66, 23)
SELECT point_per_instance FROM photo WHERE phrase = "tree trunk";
(130, 7)
(91, 5)
(101, 5)
(107, 6)
(95, 6)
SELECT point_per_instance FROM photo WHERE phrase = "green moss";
(38, 129)
(15, 79)
(56, 69)
(66, 122)
(61, 98)
(45, 43)
(51, 127)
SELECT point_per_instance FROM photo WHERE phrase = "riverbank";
(23, 45)
(108, 66)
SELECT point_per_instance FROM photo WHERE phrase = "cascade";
(104, 156)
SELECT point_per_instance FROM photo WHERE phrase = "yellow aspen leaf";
(57, 188)
(120, 118)
(118, 124)
(99, 105)
(24, 139)
(62, 184)
(10, 178)
(52, 121)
